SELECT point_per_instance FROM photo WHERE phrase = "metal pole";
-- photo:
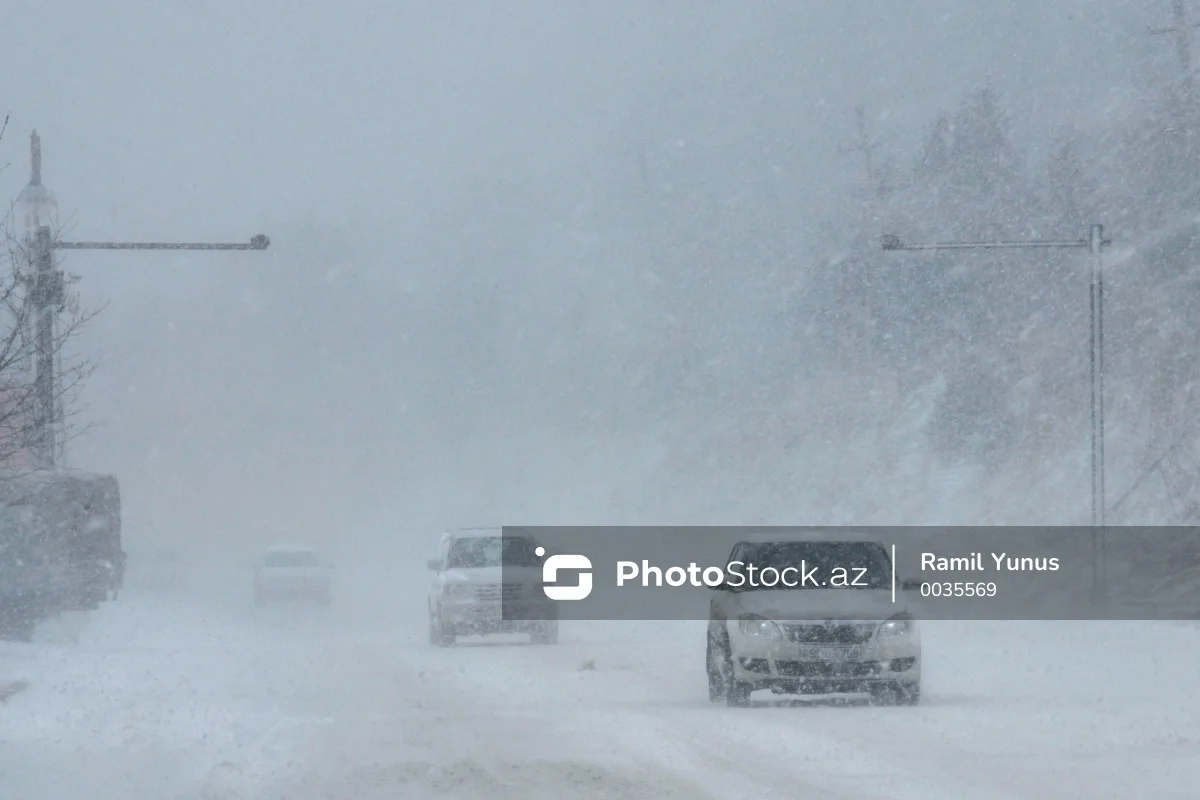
(257, 242)
(47, 292)
(1099, 503)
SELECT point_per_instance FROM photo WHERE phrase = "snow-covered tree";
(934, 160)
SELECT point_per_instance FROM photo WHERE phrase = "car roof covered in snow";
(476, 533)
(471, 533)
(783, 535)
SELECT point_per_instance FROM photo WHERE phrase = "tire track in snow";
(496, 707)
(1023, 713)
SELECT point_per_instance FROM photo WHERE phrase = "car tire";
(438, 634)
(736, 693)
(909, 694)
(716, 675)
(897, 694)
(546, 634)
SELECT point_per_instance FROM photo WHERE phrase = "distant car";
(813, 638)
(293, 572)
(471, 587)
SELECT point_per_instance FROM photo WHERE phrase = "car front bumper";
(470, 617)
(801, 668)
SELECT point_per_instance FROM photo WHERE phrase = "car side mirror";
(910, 584)
(434, 564)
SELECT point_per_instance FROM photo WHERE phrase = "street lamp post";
(1094, 244)
(259, 242)
(47, 294)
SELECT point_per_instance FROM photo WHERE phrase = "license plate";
(487, 612)
(832, 653)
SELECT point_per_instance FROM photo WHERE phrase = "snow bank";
(156, 699)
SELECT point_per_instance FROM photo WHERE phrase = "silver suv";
(826, 633)
(479, 574)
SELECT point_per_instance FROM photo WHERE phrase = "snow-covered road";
(205, 696)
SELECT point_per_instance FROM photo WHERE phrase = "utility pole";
(47, 297)
(1094, 244)
(1183, 48)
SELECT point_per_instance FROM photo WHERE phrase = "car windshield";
(867, 564)
(292, 558)
(477, 552)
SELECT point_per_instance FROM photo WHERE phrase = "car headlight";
(757, 626)
(899, 625)
(458, 591)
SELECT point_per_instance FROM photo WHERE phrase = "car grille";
(830, 633)
(827, 669)
(496, 592)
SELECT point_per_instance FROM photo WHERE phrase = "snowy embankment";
(205, 696)
(845, 444)
(157, 695)
(844, 454)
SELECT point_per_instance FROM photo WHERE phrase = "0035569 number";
(958, 589)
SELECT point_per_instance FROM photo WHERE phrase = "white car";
(290, 572)
(813, 638)
(479, 574)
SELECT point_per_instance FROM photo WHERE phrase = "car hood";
(809, 604)
(493, 575)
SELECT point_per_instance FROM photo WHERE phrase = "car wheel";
(736, 692)
(546, 634)
(897, 694)
(438, 634)
(909, 694)
(716, 675)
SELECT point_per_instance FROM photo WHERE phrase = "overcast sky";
(213, 119)
(216, 120)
